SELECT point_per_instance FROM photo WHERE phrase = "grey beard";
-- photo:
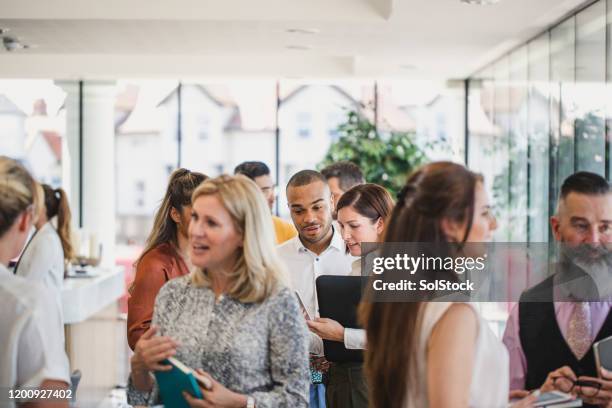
(586, 271)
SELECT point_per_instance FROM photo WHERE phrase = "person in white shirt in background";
(362, 214)
(30, 347)
(50, 249)
(317, 250)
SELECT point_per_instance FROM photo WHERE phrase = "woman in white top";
(50, 249)
(362, 213)
(31, 354)
(436, 354)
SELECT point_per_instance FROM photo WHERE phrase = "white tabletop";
(85, 296)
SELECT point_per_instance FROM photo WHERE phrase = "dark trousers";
(347, 386)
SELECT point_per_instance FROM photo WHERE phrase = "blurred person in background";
(341, 177)
(30, 340)
(260, 174)
(166, 254)
(49, 251)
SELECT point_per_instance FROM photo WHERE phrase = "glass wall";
(535, 116)
(212, 125)
(547, 120)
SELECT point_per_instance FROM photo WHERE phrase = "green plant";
(384, 160)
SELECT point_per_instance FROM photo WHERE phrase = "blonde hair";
(39, 201)
(17, 192)
(258, 272)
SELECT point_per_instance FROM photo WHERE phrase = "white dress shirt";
(304, 267)
(355, 339)
(31, 345)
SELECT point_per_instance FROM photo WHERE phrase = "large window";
(590, 92)
(535, 116)
(32, 126)
(308, 115)
(538, 130)
(238, 119)
(146, 152)
(547, 102)
(433, 111)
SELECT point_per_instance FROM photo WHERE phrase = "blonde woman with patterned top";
(233, 318)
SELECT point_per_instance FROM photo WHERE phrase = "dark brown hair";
(349, 174)
(56, 204)
(434, 192)
(178, 194)
(584, 182)
(370, 200)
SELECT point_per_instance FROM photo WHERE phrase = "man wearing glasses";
(260, 174)
(551, 342)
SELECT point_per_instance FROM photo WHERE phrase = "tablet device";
(603, 354)
(339, 297)
(180, 378)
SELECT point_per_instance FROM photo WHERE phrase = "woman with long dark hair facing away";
(362, 215)
(166, 254)
(30, 346)
(234, 317)
(436, 354)
(50, 249)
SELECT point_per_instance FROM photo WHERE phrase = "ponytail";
(56, 203)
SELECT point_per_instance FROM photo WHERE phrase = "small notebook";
(172, 383)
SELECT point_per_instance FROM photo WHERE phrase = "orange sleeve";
(284, 230)
(151, 275)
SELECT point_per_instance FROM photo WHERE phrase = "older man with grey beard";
(551, 331)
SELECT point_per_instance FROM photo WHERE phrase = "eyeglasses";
(566, 385)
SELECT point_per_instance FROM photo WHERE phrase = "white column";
(98, 161)
(70, 147)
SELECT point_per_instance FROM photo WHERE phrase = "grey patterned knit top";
(257, 349)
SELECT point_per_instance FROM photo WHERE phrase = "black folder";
(339, 297)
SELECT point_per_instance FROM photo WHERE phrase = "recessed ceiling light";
(309, 31)
(14, 44)
(299, 47)
(480, 2)
(408, 67)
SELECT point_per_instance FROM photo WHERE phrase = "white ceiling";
(416, 39)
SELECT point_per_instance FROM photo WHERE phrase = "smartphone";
(552, 397)
(603, 354)
(302, 307)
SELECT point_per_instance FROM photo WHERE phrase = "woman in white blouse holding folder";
(362, 213)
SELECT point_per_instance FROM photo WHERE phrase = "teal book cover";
(172, 383)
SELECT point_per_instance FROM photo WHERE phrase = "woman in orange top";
(166, 252)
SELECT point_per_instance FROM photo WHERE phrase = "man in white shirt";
(317, 250)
